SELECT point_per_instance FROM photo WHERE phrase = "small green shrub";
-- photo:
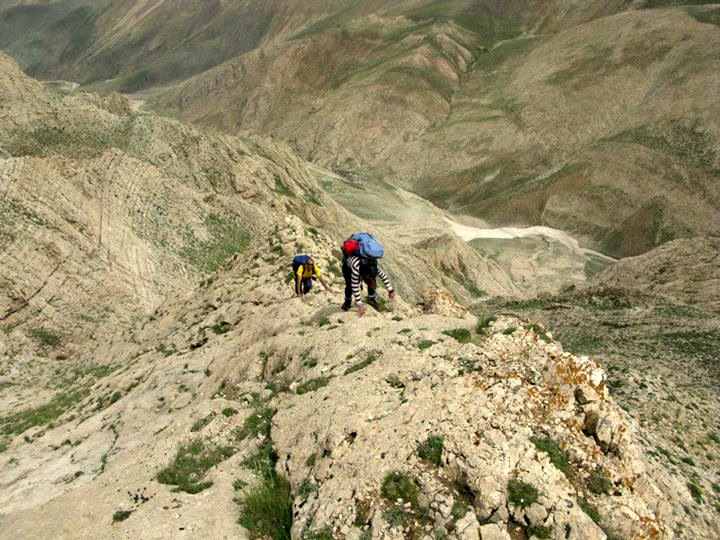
(229, 411)
(44, 337)
(239, 484)
(395, 516)
(695, 491)
(310, 461)
(539, 331)
(462, 335)
(459, 509)
(398, 485)
(714, 438)
(312, 385)
(360, 365)
(590, 510)
(509, 330)
(323, 321)
(258, 423)
(558, 457)
(540, 532)
(267, 509)
(690, 461)
(190, 465)
(431, 449)
(121, 515)
(221, 327)
(426, 344)
(484, 323)
(306, 489)
(521, 494)
(599, 484)
(201, 423)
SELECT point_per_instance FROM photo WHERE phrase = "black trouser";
(347, 274)
(306, 284)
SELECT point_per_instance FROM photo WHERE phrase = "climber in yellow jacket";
(305, 271)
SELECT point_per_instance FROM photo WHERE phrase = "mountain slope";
(125, 377)
(607, 130)
(361, 408)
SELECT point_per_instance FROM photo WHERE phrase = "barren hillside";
(608, 129)
(159, 379)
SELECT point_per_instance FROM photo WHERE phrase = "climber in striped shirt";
(356, 268)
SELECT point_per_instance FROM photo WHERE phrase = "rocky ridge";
(354, 400)
(233, 369)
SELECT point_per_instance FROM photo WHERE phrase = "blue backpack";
(298, 261)
(368, 247)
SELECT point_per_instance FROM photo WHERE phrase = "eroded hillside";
(237, 390)
(607, 129)
(160, 379)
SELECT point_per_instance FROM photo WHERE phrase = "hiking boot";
(346, 305)
(373, 301)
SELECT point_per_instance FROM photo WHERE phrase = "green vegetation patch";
(45, 337)
(267, 509)
(20, 422)
(521, 494)
(85, 141)
(440, 9)
(459, 509)
(330, 21)
(226, 238)
(461, 335)
(539, 330)
(653, 4)
(709, 16)
(431, 449)
(257, 424)
(692, 343)
(484, 323)
(539, 532)
(307, 488)
(121, 515)
(590, 510)
(426, 344)
(688, 141)
(695, 492)
(201, 422)
(190, 465)
(360, 365)
(312, 385)
(599, 484)
(504, 52)
(399, 485)
(558, 457)
(396, 516)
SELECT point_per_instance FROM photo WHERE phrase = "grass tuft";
(558, 457)
(521, 494)
(462, 335)
(312, 385)
(360, 365)
(431, 449)
(190, 465)
(398, 485)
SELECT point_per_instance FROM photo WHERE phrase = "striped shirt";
(354, 264)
